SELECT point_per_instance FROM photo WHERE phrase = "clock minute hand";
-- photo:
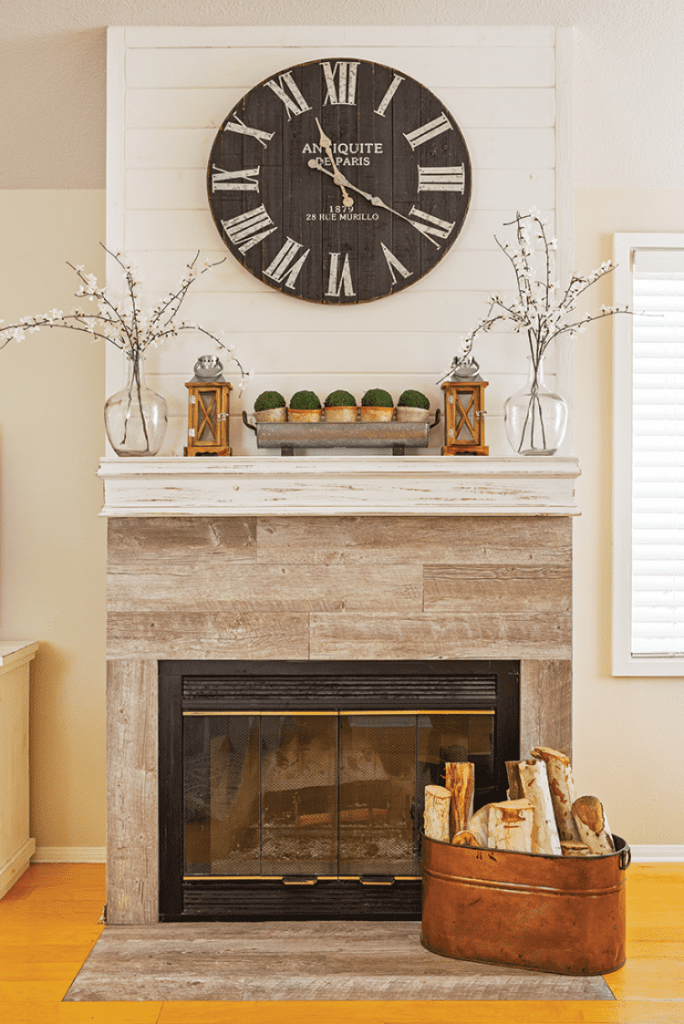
(326, 144)
(374, 200)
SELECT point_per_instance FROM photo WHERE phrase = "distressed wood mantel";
(340, 486)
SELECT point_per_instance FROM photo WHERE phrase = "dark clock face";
(339, 181)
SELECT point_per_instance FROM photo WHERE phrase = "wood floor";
(49, 924)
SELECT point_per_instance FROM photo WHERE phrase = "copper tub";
(559, 914)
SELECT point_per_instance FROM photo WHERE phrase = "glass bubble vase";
(136, 417)
(535, 418)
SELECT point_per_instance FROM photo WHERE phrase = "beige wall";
(52, 565)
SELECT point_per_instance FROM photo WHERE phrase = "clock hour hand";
(374, 200)
(339, 179)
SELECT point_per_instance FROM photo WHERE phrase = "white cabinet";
(16, 846)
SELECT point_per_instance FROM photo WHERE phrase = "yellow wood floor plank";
(81, 1013)
(15, 971)
(421, 1012)
(46, 953)
(33, 991)
(652, 979)
(46, 933)
(656, 950)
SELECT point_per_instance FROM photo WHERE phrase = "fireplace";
(294, 790)
(439, 562)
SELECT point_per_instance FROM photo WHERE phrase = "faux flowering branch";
(542, 309)
(126, 325)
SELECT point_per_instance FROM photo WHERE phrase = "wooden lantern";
(208, 411)
(464, 417)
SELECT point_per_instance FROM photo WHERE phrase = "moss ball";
(341, 397)
(378, 397)
(414, 399)
(305, 400)
(269, 400)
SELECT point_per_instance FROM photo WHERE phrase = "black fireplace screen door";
(295, 790)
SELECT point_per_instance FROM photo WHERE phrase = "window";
(648, 456)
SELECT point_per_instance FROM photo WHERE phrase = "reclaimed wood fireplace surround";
(323, 559)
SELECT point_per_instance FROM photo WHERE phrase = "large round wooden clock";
(339, 181)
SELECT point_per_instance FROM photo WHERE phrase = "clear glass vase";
(136, 418)
(534, 417)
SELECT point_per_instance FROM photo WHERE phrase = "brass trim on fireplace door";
(330, 714)
(279, 878)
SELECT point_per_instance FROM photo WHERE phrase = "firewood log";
(571, 849)
(437, 812)
(592, 824)
(562, 786)
(460, 781)
(514, 788)
(464, 838)
(478, 826)
(509, 826)
(535, 786)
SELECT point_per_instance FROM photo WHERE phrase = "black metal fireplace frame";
(300, 686)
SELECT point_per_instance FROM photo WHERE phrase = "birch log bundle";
(541, 815)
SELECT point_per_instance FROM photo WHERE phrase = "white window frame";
(623, 662)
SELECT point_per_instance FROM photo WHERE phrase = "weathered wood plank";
(497, 588)
(181, 634)
(136, 541)
(132, 859)
(546, 705)
(468, 540)
(266, 588)
(383, 636)
(414, 485)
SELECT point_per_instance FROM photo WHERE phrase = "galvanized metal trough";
(289, 436)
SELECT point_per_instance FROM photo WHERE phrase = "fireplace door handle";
(377, 879)
(299, 880)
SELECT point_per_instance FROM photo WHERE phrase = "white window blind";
(658, 453)
(648, 456)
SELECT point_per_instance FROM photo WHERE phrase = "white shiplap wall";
(169, 90)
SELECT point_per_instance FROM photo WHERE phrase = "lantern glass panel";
(206, 415)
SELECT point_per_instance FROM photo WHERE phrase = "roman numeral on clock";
(344, 90)
(295, 104)
(428, 131)
(285, 265)
(224, 181)
(339, 280)
(387, 98)
(430, 225)
(394, 264)
(249, 228)
(441, 179)
(240, 128)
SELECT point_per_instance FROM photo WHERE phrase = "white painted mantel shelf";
(402, 485)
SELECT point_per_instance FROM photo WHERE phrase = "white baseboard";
(70, 855)
(16, 866)
(667, 853)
